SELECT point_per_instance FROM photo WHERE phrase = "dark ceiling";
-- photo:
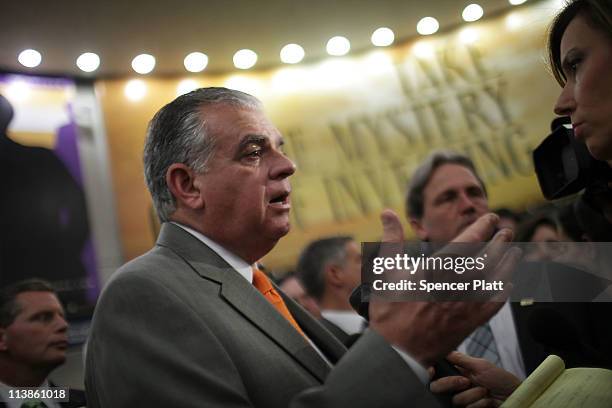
(119, 30)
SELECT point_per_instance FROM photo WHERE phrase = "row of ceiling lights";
(245, 58)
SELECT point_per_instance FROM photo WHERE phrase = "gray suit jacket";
(178, 327)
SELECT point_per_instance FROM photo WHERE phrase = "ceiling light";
(338, 46)
(472, 12)
(382, 37)
(195, 62)
(143, 63)
(135, 90)
(88, 62)
(29, 58)
(427, 26)
(291, 54)
(245, 59)
(516, 2)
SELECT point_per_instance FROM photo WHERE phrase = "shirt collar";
(239, 264)
(347, 320)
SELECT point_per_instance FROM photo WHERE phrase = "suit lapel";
(247, 300)
(326, 341)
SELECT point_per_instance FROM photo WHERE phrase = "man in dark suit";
(444, 197)
(33, 342)
(192, 323)
(330, 269)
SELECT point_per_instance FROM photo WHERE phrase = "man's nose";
(283, 167)
(466, 203)
(62, 324)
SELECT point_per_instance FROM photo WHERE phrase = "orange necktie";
(262, 283)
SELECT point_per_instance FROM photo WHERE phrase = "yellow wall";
(357, 126)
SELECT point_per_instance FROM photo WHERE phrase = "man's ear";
(181, 182)
(419, 230)
(334, 274)
(3, 345)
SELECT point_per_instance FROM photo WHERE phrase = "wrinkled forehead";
(233, 121)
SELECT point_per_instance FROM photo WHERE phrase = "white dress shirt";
(347, 320)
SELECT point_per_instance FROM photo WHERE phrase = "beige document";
(551, 385)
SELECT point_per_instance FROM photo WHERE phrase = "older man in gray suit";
(192, 323)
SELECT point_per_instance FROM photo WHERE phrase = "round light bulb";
(292, 54)
(88, 62)
(195, 62)
(383, 37)
(245, 59)
(143, 63)
(338, 46)
(29, 58)
(472, 12)
(427, 26)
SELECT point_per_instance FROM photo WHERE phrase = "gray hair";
(415, 200)
(315, 258)
(178, 134)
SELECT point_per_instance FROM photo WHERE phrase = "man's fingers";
(464, 361)
(504, 272)
(431, 371)
(498, 245)
(452, 384)
(480, 231)
(470, 396)
(393, 231)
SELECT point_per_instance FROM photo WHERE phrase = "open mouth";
(280, 199)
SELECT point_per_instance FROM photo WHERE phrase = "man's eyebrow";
(258, 139)
(252, 138)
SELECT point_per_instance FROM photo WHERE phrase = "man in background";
(33, 342)
(330, 269)
(292, 287)
(445, 196)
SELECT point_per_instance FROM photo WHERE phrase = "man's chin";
(283, 230)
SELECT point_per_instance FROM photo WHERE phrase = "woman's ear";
(181, 181)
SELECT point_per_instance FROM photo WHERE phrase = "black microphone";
(558, 334)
